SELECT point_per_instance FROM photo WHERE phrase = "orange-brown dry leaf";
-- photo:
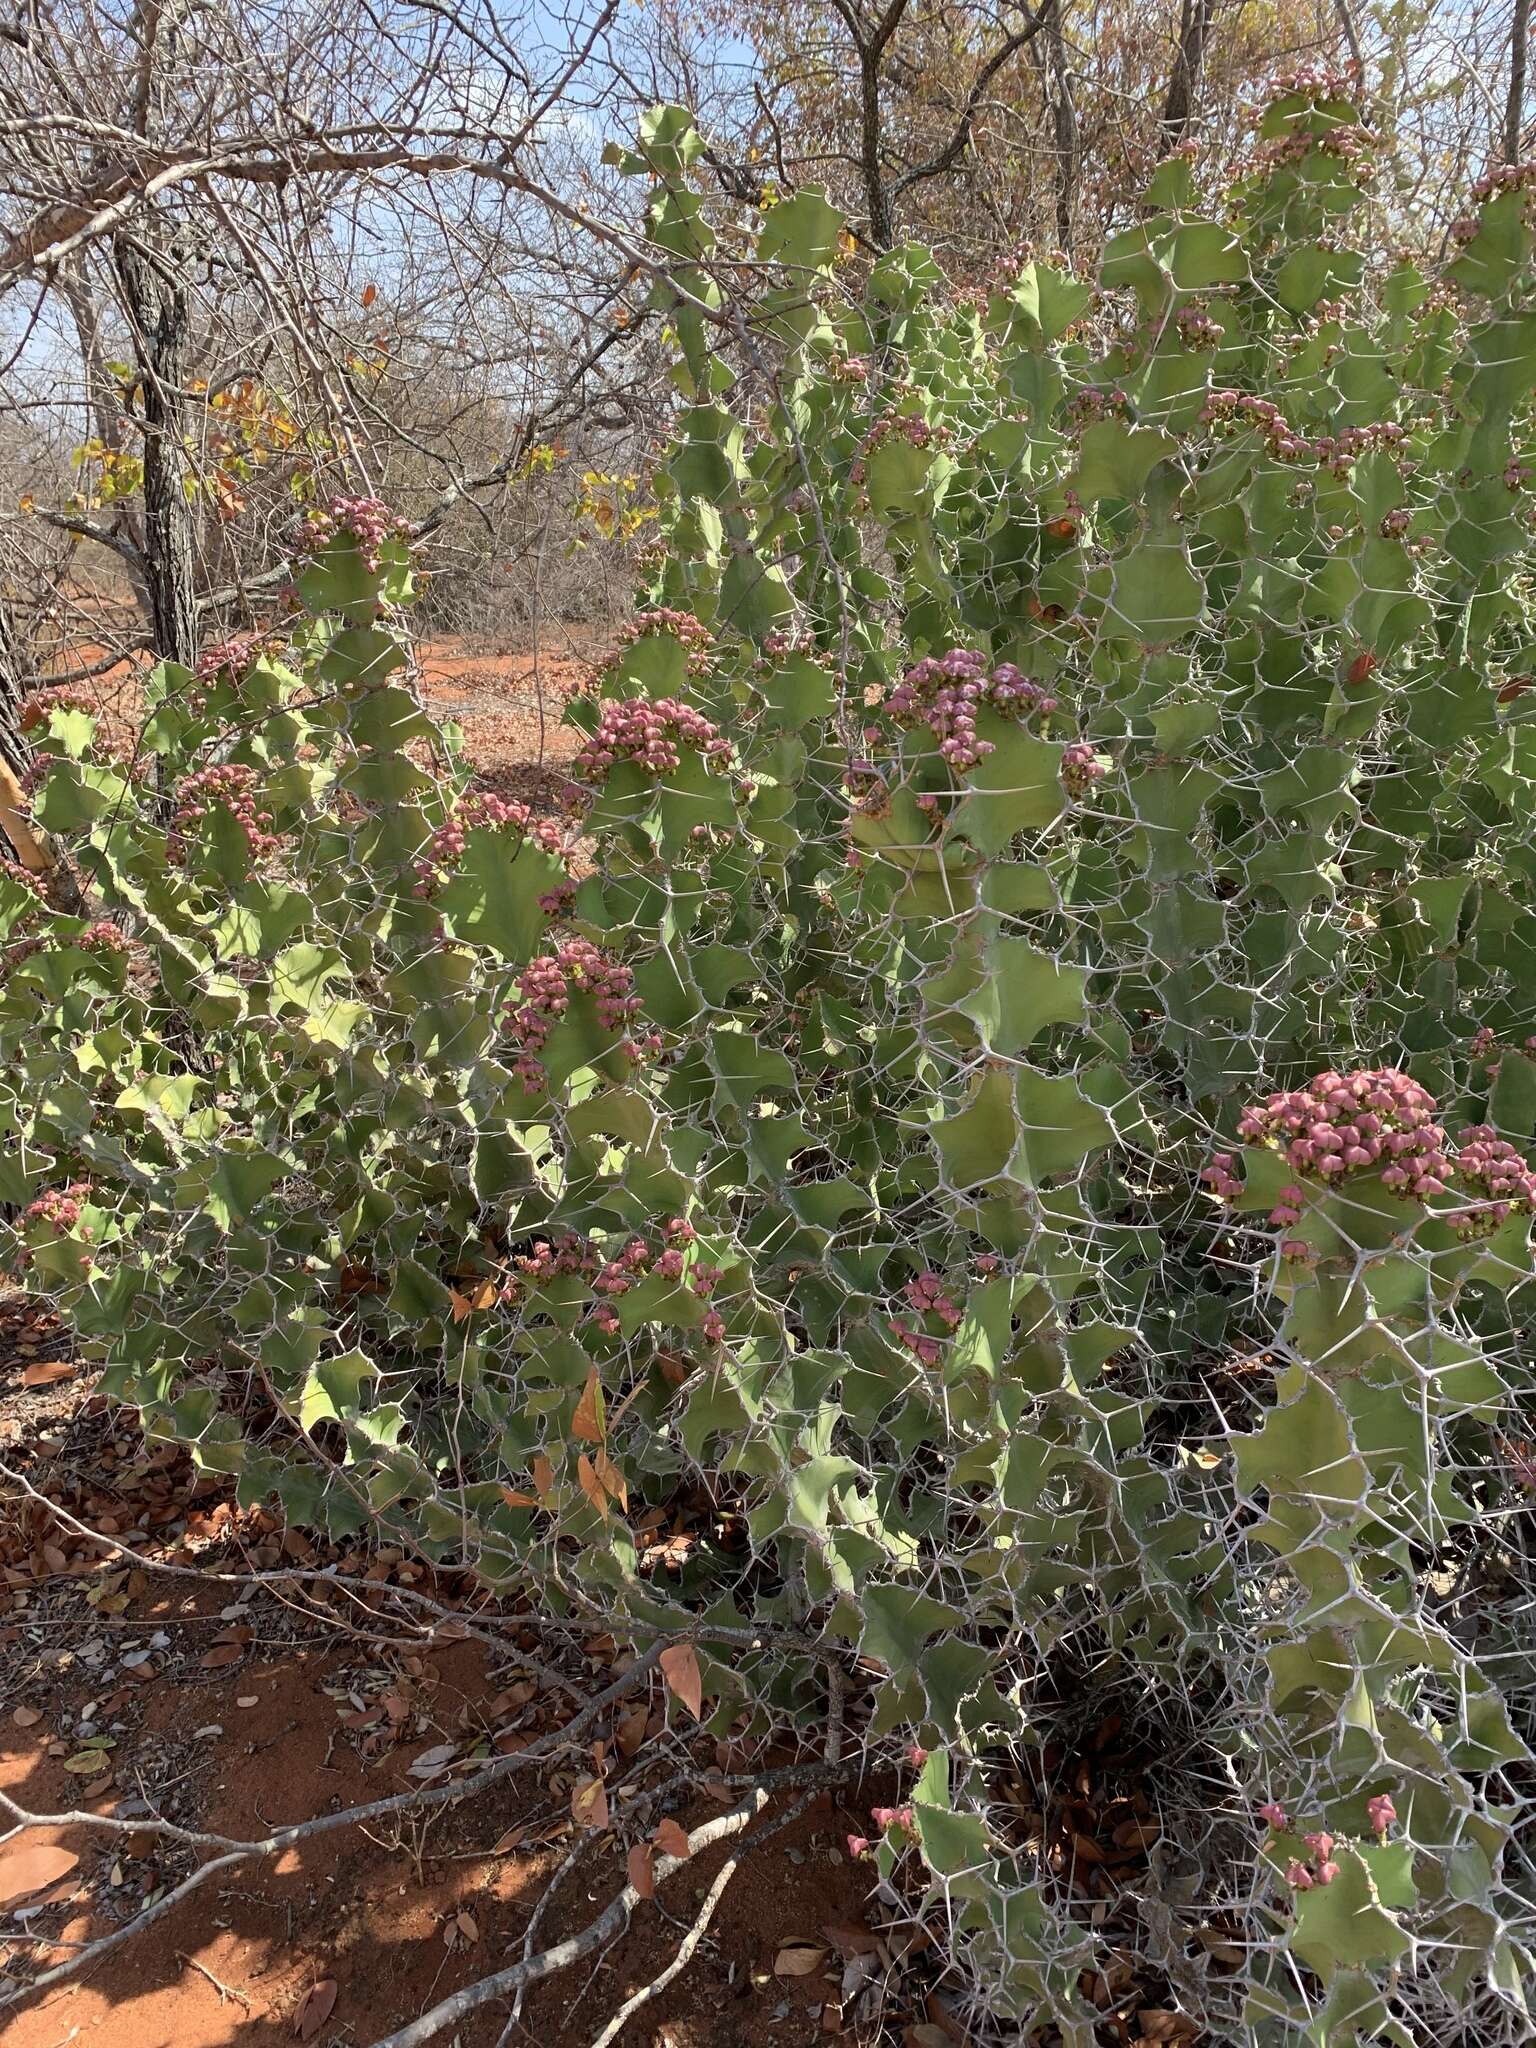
(31, 1867)
(589, 1803)
(641, 1874)
(672, 1839)
(318, 2003)
(612, 1478)
(588, 1421)
(590, 1484)
(680, 1669)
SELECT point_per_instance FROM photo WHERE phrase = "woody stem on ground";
(610, 1923)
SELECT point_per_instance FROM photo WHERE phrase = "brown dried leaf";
(223, 1654)
(27, 1717)
(798, 1959)
(591, 1485)
(671, 1839)
(613, 1479)
(47, 1372)
(640, 1868)
(680, 1669)
(588, 1422)
(589, 1803)
(318, 2003)
(32, 1867)
(629, 1733)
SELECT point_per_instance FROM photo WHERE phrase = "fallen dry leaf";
(798, 1959)
(32, 1867)
(432, 1761)
(589, 1803)
(671, 1839)
(222, 1654)
(629, 1732)
(639, 1867)
(318, 2003)
(680, 1669)
(27, 1717)
(87, 1762)
(47, 1372)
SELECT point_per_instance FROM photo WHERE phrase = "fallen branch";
(609, 1924)
(696, 1932)
(233, 1851)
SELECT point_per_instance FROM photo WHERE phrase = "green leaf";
(1024, 992)
(492, 897)
(897, 1622)
(1343, 1925)
(1117, 459)
(804, 230)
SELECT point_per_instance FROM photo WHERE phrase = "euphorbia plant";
(1048, 870)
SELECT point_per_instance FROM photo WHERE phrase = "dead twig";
(610, 1923)
(224, 1990)
(696, 1932)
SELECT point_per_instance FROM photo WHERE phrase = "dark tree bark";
(14, 750)
(1514, 105)
(159, 309)
(1064, 123)
(1195, 20)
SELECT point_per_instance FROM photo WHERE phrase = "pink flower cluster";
(545, 988)
(102, 938)
(651, 733)
(1499, 1173)
(945, 692)
(931, 1295)
(883, 1817)
(369, 521)
(1313, 82)
(230, 787)
(496, 814)
(234, 656)
(1093, 404)
(23, 878)
(1339, 451)
(1487, 1041)
(899, 426)
(691, 633)
(59, 1208)
(1081, 768)
(1504, 178)
(1349, 1123)
(36, 706)
(1302, 1876)
(612, 1277)
(1196, 329)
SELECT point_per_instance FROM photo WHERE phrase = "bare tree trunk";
(1195, 19)
(14, 750)
(1514, 106)
(1064, 123)
(869, 39)
(159, 308)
